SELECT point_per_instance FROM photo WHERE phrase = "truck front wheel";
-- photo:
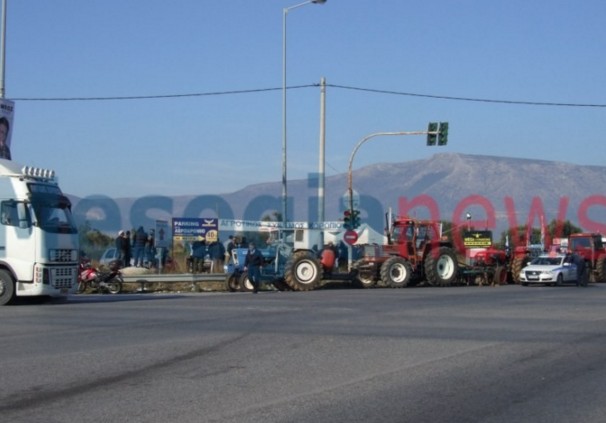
(7, 287)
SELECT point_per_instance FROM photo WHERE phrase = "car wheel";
(559, 280)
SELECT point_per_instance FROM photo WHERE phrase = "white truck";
(39, 249)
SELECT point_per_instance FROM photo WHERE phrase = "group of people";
(220, 253)
(215, 251)
(139, 247)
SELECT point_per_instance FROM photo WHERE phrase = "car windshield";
(547, 261)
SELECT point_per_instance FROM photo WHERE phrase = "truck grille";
(63, 277)
(63, 255)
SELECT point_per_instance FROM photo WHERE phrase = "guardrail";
(191, 278)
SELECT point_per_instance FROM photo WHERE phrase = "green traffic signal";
(432, 130)
(355, 219)
(443, 134)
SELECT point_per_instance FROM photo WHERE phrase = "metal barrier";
(192, 278)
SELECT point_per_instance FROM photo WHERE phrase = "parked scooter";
(101, 281)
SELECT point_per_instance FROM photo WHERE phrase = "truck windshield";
(53, 214)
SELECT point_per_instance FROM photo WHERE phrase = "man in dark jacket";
(579, 261)
(139, 246)
(216, 251)
(122, 245)
(253, 263)
(199, 252)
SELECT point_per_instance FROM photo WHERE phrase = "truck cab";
(38, 235)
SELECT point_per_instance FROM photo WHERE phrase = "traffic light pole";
(435, 130)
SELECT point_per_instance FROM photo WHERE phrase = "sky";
(203, 80)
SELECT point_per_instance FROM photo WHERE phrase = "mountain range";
(450, 186)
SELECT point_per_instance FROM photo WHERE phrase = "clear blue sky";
(516, 50)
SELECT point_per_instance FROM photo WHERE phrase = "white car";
(549, 270)
(108, 256)
(111, 254)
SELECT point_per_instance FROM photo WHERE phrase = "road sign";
(350, 237)
(162, 234)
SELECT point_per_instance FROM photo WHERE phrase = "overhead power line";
(344, 87)
(479, 100)
(157, 96)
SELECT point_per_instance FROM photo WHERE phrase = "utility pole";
(322, 160)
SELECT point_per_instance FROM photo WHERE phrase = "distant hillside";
(447, 178)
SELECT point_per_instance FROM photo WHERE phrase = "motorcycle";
(101, 281)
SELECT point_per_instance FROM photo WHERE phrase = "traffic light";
(355, 219)
(347, 219)
(432, 135)
(443, 134)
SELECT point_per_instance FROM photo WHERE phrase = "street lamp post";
(2, 49)
(284, 138)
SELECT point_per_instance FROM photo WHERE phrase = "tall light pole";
(2, 49)
(284, 138)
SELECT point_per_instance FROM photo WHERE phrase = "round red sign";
(350, 237)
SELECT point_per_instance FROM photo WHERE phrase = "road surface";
(464, 354)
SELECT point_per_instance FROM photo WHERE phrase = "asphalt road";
(465, 354)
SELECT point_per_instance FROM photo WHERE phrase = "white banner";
(261, 226)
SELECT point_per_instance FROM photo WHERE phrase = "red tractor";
(590, 246)
(487, 266)
(415, 252)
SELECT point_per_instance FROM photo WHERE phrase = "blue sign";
(195, 229)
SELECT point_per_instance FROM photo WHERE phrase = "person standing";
(197, 255)
(139, 246)
(216, 251)
(328, 258)
(121, 247)
(252, 264)
(579, 261)
(229, 246)
(150, 250)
